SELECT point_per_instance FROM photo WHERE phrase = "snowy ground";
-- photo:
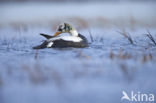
(96, 74)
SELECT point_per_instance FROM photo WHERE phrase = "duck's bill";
(57, 33)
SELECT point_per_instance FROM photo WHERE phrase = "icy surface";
(94, 74)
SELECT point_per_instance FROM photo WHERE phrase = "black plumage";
(46, 36)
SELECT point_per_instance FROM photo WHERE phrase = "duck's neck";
(74, 33)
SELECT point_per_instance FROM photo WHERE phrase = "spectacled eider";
(74, 40)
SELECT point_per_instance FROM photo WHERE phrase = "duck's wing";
(46, 36)
(66, 41)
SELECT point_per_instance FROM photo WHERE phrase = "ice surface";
(75, 75)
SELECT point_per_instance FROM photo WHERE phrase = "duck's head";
(66, 28)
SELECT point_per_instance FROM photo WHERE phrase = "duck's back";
(64, 43)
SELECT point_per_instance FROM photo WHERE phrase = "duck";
(74, 39)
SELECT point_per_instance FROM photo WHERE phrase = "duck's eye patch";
(59, 29)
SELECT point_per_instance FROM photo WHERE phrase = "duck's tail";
(45, 43)
(42, 46)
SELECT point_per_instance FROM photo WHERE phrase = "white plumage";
(67, 38)
(50, 44)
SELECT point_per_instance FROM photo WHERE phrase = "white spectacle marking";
(49, 44)
(67, 38)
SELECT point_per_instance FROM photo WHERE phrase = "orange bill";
(57, 33)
